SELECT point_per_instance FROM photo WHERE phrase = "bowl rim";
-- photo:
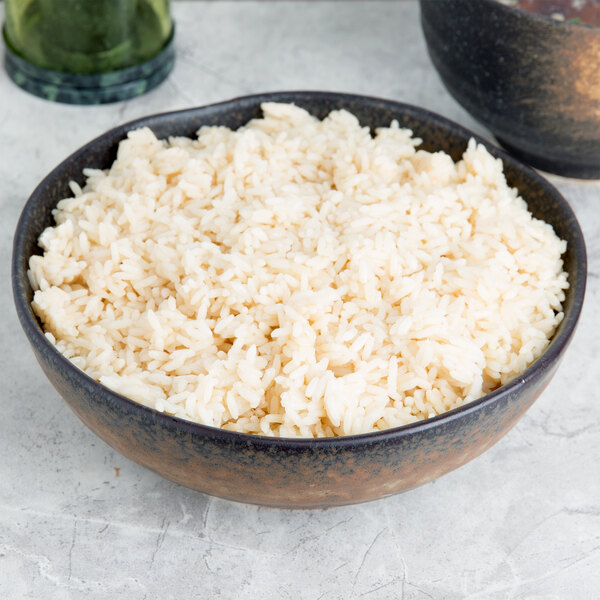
(38, 340)
(540, 17)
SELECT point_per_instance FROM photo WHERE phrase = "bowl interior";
(437, 133)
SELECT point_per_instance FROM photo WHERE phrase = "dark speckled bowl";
(295, 472)
(532, 80)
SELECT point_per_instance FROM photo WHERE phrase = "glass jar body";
(87, 36)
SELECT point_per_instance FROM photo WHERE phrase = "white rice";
(298, 277)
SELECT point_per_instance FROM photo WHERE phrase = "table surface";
(77, 520)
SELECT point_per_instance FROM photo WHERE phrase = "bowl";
(295, 472)
(532, 80)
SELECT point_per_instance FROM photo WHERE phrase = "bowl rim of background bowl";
(539, 17)
(34, 332)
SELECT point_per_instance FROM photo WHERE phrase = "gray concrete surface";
(78, 521)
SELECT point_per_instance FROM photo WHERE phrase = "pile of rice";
(298, 277)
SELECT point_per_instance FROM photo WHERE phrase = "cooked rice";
(298, 277)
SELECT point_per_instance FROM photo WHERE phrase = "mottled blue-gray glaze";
(97, 88)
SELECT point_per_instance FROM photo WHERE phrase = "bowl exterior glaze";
(295, 472)
(533, 81)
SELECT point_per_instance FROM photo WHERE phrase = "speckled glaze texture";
(296, 472)
(533, 81)
(98, 88)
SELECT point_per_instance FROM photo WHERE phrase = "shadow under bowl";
(532, 80)
(284, 471)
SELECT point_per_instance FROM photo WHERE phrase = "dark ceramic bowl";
(532, 80)
(295, 472)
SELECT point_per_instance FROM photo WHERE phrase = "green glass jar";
(88, 51)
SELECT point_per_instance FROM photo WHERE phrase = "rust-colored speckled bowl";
(532, 80)
(295, 472)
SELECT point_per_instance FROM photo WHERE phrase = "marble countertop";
(77, 520)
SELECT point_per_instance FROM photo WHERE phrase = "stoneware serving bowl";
(295, 472)
(532, 80)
